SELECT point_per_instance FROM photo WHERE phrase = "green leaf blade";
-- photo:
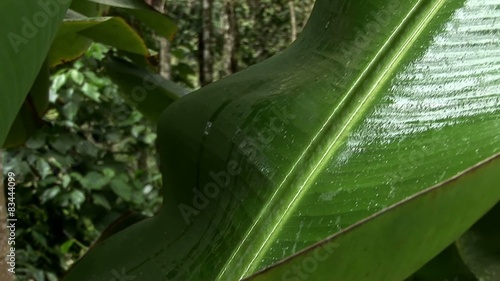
(310, 142)
(24, 46)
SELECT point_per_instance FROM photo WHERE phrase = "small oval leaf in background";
(121, 188)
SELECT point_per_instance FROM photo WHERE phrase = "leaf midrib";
(361, 104)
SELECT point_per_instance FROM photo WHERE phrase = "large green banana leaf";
(29, 118)
(27, 29)
(375, 102)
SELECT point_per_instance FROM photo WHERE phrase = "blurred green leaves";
(65, 170)
(328, 134)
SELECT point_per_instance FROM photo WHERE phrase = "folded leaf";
(375, 102)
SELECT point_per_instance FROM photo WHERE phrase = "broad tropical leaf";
(26, 32)
(375, 102)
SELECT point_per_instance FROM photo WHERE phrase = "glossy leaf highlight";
(374, 103)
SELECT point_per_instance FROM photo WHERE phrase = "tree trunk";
(230, 39)
(4, 232)
(293, 20)
(164, 52)
(205, 43)
(308, 6)
(165, 67)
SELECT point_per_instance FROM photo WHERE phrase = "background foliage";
(92, 162)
